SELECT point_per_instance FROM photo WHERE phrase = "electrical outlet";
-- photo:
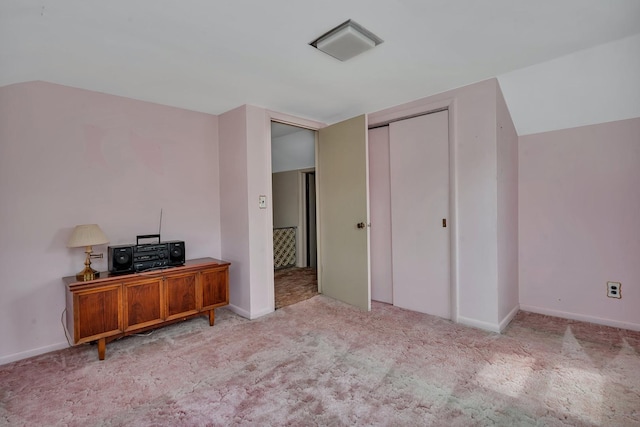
(614, 290)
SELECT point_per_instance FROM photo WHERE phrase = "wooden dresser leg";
(212, 317)
(102, 347)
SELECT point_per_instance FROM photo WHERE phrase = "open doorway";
(310, 219)
(294, 213)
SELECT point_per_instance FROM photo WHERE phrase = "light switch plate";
(262, 202)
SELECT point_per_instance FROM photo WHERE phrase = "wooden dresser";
(111, 307)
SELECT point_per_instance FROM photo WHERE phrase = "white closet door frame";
(380, 211)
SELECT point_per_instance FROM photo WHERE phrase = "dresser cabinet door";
(182, 296)
(97, 313)
(143, 303)
(215, 287)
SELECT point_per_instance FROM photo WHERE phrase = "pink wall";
(507, 174)
(71, 156)
(260, 220)
(247, 239)
(579, 224)
(234, 211)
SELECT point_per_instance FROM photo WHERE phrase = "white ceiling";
(214, 55)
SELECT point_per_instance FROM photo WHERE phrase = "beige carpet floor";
(323, 363)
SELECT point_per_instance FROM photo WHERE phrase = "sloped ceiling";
(212, 56)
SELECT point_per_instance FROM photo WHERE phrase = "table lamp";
(87, 235)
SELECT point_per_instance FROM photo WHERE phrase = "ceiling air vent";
(346, 41)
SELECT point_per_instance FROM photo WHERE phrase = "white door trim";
(274, 116)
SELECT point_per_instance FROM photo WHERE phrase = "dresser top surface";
(105, 277)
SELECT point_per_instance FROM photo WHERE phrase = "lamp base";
(87, 274)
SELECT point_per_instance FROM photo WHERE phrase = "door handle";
(361, 225)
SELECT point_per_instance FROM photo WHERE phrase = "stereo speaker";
(120, 259)
(176, 252)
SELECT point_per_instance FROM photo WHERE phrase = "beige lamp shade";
(87, 235)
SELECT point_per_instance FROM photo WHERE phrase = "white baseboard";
(247, 315)
(509, 317)
(34, 352)
(239, 311)
(261, 313)
(492, 327)
(581, 317)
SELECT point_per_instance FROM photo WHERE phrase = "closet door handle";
(444, 222)
(361, 225)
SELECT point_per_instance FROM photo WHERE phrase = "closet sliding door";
(419, 188)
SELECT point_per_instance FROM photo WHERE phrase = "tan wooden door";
(343, 212)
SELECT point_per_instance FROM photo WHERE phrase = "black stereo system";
(147, 256)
